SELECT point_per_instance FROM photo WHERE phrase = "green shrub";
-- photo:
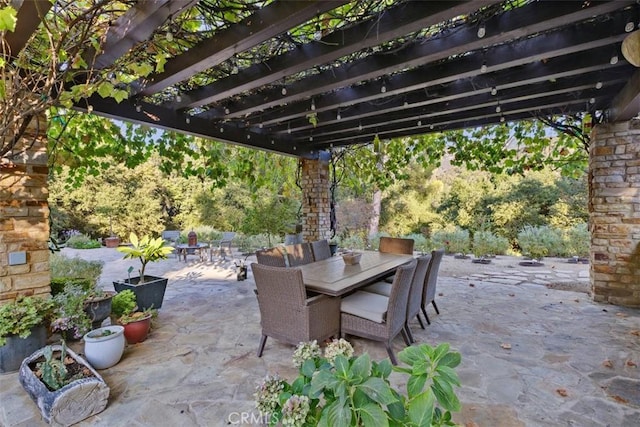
(487, 243)
(454, 240)
(65, 269)
(577, 240)
(538, 242)
(81, 241)
(355, 241)
(374, 240)
(20, 316)
(422, 244)
(58, 284)
(251, 243)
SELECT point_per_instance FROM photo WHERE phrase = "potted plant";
(136, 323)
(23, 330)
(149, 290)
(69, 317)
(63, 385)
(103, 347)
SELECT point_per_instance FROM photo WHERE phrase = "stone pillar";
(316, 223)
(24, 211)
(614, 213)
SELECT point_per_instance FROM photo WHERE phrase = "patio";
(571, 361)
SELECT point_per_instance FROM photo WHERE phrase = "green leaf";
(445, 395)
(361, 367)
(448, 374)
(378, 390)
(337, 415)
(308, 368)
(341, 364)
(141, 69)
(372, 415)
(421, 409)
(2, 90)
(384, 367)
(8, 19)
(411, 354)
(415, 385)
(105, 89)
(451, 360)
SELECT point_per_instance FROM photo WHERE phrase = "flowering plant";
(69, 317)
(340, 389)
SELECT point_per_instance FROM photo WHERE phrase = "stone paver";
(571, 362)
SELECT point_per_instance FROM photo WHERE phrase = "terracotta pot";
(137, 330)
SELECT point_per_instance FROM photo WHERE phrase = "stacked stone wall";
(316, 220)
(24, 212)
(614, 213)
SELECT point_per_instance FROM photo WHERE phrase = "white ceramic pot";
(103, 351)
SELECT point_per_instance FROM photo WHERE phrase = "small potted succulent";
(23, 329)
(149, 290)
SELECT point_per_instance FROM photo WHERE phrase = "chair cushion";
(380, 288)
(366, 305)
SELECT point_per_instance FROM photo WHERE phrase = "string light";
(89, 108)
(338, 116)
(221, 129)
(431, 127)
(483, 68)
(310, 138)
(272, 142)
(313, 105)
(502, 119)
(188, 120)
(592, 101)
(482, 31)
(169, 36)
(599, 85)
(494, 91)
(360, 127)
(234, 70)
(629, 26)
(226, 110)
(248, 136)
(138, 108)
(288, 128)
(614, 59)
(419, 122)
(260, 125)
(284, 91)
(318, 34)
(383, 89)
(498, 109)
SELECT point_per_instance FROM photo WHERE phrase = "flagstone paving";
(536, 351)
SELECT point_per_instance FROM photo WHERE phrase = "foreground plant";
(342, 390)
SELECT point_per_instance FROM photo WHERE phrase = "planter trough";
(70, 404)
(16, 349)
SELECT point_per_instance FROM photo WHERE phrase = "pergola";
(299, 77)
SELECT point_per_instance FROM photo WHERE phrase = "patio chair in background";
(377, 317)
(272, 256)
(299, 254)
(223, 245)
(286, 313)
(415, 295)
(321, 250)
(171, 238)
(429, 295)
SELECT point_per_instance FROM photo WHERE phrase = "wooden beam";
(397, 21)
(517, 24)
(626, 105)
(135, 26)
(268, 22)
(30, 14)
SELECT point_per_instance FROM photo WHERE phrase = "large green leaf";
(372, 415)
(410, 355)
(445, 395)
(415, 385)
(378, 390)
(337, 415)
(421, 409)
(8, 19)
(448, 374)
(361, 368)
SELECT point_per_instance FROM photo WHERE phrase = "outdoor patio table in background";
(333, 277)
(185, 249)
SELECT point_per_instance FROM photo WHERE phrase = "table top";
(333, 277)
(196, 246)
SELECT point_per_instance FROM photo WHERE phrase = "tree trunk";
(374, 222)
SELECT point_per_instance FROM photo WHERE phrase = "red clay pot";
(137, 330)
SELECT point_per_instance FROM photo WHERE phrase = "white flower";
(305, 351)
(267, 394)
(336, 347)
(295, 410)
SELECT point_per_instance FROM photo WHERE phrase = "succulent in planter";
(18, 318)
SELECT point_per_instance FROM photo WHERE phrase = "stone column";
(614, 213)
(24, 211)
(314, 180)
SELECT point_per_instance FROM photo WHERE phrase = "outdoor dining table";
(333, 277)
(184, 249)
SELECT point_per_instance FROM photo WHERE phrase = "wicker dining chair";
(321, 250)
(274, 257)
(286, 313)
(415, 295)
(299, 254)
(429, 295)
(377, 317)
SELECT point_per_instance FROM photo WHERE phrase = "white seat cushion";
(366, 305)
(380, 288)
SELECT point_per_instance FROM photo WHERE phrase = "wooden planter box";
(70, 404)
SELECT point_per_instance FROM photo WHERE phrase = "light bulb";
(482, 31)
(221, 129)
(383, 89)
(272, 142)
(614, 59)
(338, 116)
(311, 138)
(483, 68)
(498, 109)
(431, 127)
(288, 129)
(494, 91)
(360, 127)
(178, 98)
(188, 120)
(419, 122)
(248, 136)
(234, 70)
(138, 108)
(284, 91)
(592, 101)
(260, 125)
(599, 85)
(406, 103)
(313, 105)
(502, 119)
(89, 109)
(226, 110)
(169, 36)
(629, 26)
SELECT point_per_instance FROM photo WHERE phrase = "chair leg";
(407, 336)
(263, 341)
(420, 320)
(424, 311)
(435, 306)
(391, 355)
